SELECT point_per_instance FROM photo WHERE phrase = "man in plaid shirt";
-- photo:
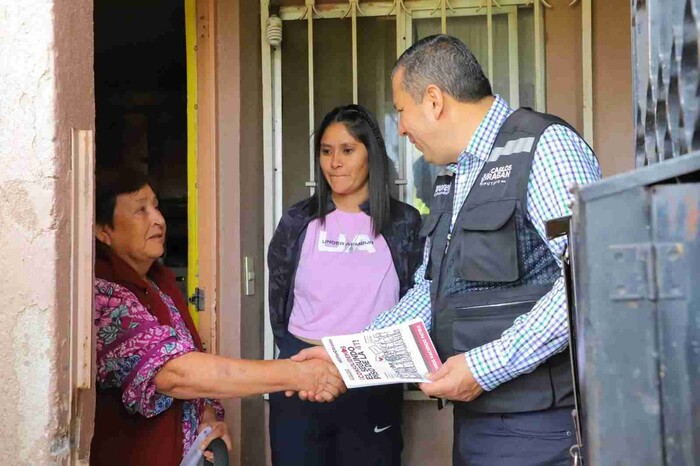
(491, 283)
(448, 112)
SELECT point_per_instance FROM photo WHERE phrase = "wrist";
(209, 414)
(294, 376)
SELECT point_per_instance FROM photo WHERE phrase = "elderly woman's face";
(138, 234)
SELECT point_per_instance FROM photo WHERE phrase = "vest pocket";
(478, 325)
(488, 243)
(475, 326)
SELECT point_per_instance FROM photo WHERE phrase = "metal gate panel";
(617, 356)
(635, 250)
(675, 212)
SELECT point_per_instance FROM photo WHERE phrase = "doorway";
(141, 106)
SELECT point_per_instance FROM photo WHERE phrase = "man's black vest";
(494, 267)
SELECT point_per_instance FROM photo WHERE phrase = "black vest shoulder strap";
(506, 173)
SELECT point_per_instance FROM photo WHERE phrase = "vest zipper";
(512, 303)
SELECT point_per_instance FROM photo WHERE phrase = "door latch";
(197, 299)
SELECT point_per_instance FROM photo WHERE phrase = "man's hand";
(315, 352)
(307, 354)
(453, 381)
(319, 380)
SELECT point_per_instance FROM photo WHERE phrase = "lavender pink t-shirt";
(345, 277)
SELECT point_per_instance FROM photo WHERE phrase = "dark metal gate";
(665, 36)
(635, 256)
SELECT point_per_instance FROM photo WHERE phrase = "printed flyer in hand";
(401, 353)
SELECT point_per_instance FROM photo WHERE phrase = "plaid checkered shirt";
(561, 159)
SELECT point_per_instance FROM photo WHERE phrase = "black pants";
(360, 428)
(540, 438)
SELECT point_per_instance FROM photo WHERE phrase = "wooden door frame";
(218, 187)
(203, 166)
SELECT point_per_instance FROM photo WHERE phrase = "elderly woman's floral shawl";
(132, 347)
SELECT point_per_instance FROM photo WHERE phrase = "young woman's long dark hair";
(362, 126)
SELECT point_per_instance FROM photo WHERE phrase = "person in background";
(335, 261)
(156, 389)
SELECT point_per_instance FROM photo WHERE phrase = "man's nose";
(402, 128)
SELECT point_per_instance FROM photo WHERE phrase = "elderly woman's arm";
(151, 364)
(199, 375)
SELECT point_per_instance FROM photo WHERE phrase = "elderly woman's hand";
(320, 380)
(219, 429)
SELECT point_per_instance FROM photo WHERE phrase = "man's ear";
(102, 234)
(436, 99)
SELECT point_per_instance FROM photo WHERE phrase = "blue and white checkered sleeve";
(415, 303)
(562, 158)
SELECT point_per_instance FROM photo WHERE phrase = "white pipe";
(587, 57)
(443, 16)
(489, 28)
(513, 64)
(540, 73)
(312, 119)
(268, 166)
(353, 6)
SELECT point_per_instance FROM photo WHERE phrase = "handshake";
(317, 378)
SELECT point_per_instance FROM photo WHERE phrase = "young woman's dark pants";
(360, 428)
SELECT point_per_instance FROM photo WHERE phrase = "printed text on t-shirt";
(359, 243)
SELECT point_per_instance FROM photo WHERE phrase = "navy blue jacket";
(401, 235)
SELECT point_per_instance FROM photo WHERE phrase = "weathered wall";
(241, 214)
(228, 103)
(563, 57)
(613, 110)
(46, 88)
(613, 115)
(254, 442)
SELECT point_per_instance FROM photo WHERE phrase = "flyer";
(402, 353)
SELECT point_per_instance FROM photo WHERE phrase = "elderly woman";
(156, 388)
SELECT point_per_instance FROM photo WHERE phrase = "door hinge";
(197, 299)
(650, 271)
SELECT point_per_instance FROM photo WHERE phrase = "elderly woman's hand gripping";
(219, 429)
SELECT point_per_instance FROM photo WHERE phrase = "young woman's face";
(344, 161)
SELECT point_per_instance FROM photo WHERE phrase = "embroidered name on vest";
(496, 175)
(359, 243)
(442, 190)
(515, 146)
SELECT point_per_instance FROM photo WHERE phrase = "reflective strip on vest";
(512, 147)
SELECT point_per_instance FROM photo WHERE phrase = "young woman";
(337, 260)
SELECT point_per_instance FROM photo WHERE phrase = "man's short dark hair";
(110, 183)
(446, 62)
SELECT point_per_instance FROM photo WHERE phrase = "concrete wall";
(613, 123)
(254, 441)
(241, 209)
(228, 102)
(613, 114)
(46, 89)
